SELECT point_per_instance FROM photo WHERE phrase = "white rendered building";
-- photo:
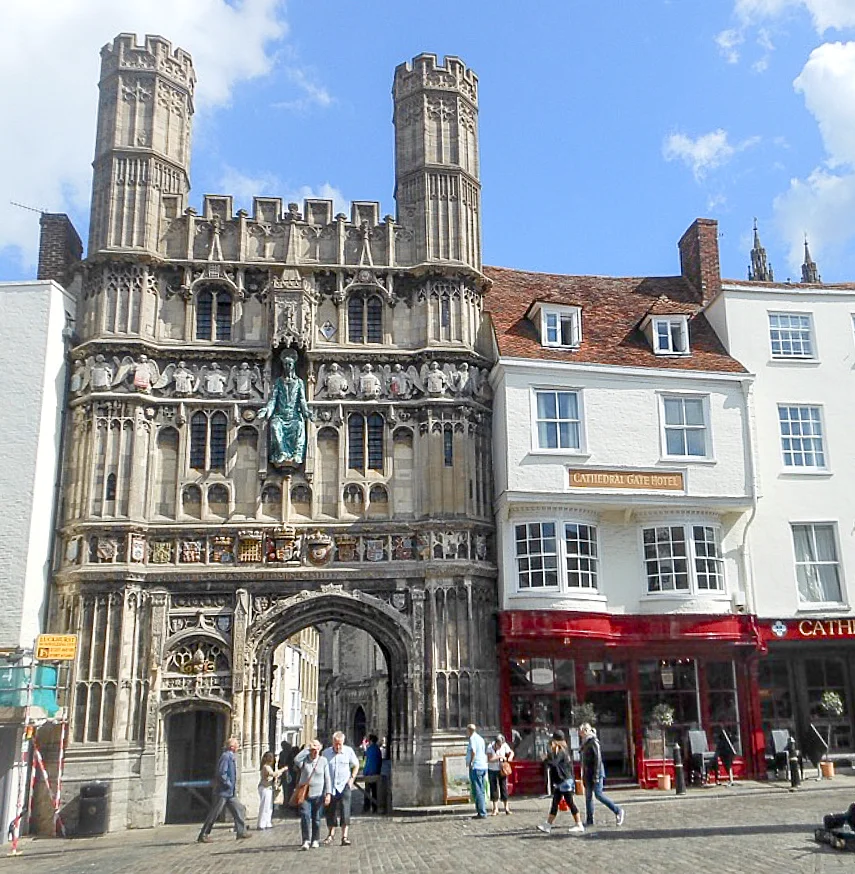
(798, 341)
(623, 484)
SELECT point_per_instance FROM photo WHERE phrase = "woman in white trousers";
(266, 783)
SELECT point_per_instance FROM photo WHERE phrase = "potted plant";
(831, 705)
(662, 718)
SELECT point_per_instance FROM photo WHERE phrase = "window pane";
(224, 316)
(675, 442)
(198, 439)
(204, 315)
(354, 319)
(694, 411)
(567, 405)
(673, 411)
(546, 405)
(355, 446)
(375, 442)
(374, 318)
(219, 425)
(695, 443)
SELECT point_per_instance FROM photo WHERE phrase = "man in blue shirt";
(224, 795)
(344, 766)
(476, 761)
(371, 771)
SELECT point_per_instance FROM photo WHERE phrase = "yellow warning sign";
(56, 647)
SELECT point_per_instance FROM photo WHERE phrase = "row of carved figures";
(334, 381)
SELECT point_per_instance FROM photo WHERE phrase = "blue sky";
(607, 126)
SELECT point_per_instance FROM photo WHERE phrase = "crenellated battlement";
(424, 72)
(155, 54)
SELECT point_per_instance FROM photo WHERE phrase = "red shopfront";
(704, 667)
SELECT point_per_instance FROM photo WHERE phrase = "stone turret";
(142, 146)
(760, 270)
(437, 187)
(810, 272)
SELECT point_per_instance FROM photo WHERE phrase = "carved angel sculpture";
(184, 379)
(79, 377)
(243, 379)
(144, 372)
(213, 380)
(435, 379)
(399, 382)
(100, 374)
(369, 383)
(333, 381)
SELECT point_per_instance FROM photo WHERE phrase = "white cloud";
(820, 206)
(324, 192)
(705, 152)
(828, 85)
(313, 93)
(244, 187)
(728, 42)
(826, 14)
(49, 63)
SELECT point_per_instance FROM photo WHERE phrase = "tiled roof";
(612, 310)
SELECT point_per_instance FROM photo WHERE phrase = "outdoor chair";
(700, 755)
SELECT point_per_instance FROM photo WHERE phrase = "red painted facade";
(634, 642)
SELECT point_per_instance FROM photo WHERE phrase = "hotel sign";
(649, 480)
(813, 629)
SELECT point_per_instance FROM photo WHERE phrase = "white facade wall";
(787, 494)
(33, 316)
(621, 414)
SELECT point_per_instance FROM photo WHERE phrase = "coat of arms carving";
(318, 548)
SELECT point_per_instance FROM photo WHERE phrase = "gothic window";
(271, 501)
(167, 472)
(110, 492)
(378, 495)
(208, 441)
(214, 315)
(448, 446)
(365, 441)
(364, 319)
(354, 500)
(444, 311)
(191, 501)
(218, 500)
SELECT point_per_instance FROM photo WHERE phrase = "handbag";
(301, 790)
(505, 769)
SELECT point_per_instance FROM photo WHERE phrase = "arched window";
(214, 315)
(364, 319)
(365, 441)
(218, 500)
(448, 446)
(208, 441)
(110, 493)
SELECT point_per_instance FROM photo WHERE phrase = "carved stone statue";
(336, 383)
(101, 375)
(185, 382)
(144, 370)
(435, 380)
(286, 411)
(214, 380)
(244, 378)
(369, 383)
(400, 382)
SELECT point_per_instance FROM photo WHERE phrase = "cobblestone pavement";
(749, 828)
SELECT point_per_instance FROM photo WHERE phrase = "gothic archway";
(275, 619)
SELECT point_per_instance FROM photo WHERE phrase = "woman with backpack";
(562, 779)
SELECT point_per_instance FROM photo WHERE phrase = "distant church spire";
(760, 270)
(809, 270)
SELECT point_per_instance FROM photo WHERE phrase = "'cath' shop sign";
(811, 629)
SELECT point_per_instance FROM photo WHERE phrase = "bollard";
(793, 758)
(679, 776)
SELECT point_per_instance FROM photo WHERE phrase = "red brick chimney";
(699, 262)
(59, 247)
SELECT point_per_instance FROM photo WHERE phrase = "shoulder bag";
(505, 769)
(301, 790)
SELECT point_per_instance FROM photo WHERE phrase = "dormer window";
(669, 335)
(560, 326)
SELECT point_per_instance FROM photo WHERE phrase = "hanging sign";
(56, 647)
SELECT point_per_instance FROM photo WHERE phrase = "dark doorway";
(360, 726)
(195, 739)
(614, 730)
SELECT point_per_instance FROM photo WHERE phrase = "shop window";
(829, 675)
(683, 559)
(543, 692)
(817, 567)
(673, 682)
(723, 702)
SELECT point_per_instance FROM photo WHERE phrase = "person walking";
(594, 774)
(562, 779)
(371, 772)
(476, 762)
(266, 783)
(312, 770)
(225, 784)
(499, 758)
(344, 766)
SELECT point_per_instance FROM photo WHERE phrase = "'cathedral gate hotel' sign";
(656, 480)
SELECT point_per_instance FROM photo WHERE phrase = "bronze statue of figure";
(286, 411)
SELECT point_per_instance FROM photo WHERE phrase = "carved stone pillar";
(240, 673)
